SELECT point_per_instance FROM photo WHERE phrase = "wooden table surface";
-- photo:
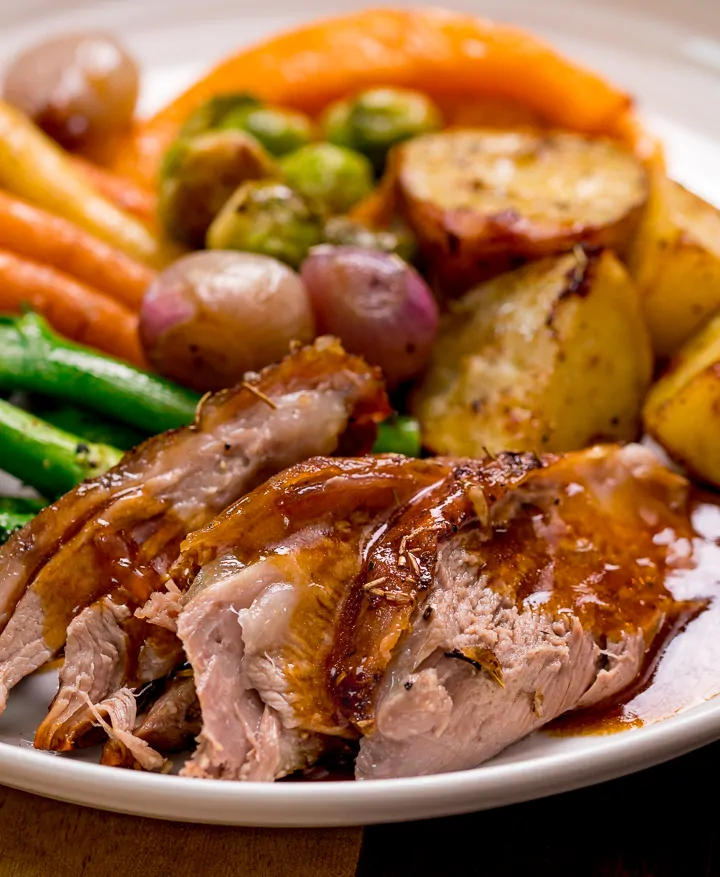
(659, 823)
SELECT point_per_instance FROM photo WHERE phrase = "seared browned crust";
(399, 568)
(322, 488)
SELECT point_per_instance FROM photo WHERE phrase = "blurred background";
(666, 52)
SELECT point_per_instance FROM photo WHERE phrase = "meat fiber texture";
(436, 610)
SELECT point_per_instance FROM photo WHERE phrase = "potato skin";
(676, 264)
(551, 357)
(682, 410)
(483, 201)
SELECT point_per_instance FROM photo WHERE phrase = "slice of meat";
(96, 656)
(551, 608)
(269, 578)
(120, 533)
(170, 725)
(470, 604)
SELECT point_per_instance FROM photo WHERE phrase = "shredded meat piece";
(120, 710)
(170, 725)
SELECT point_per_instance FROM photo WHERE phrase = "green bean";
(34, 359)
(48, 459)
(15, 512)
(399, 434)
(85, 423)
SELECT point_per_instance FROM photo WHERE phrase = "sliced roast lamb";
(436, 610)
(86, 563)
(551, 609)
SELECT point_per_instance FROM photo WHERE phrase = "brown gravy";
(684, 670)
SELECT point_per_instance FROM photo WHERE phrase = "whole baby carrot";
(35, 168)
(74, 309)
(122, 191)
(43, 237)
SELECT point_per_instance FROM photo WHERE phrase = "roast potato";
(550, 357)
(682, 410)
(482, 201)
(676, 264)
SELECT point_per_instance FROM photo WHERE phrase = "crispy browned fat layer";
(552, 606)
(399, 567)
(579, 528)
(318, 515)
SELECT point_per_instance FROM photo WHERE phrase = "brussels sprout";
(210, 115)
(280, 131)
(376, 120)
(343, 231)
(337, 125)
(332, 177)
(267, 218)
(198, 176)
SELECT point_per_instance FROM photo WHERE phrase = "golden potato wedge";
(682, 410)
(676, 263)
(482, 201)
(551, 357)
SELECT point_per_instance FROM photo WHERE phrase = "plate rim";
(344, 803)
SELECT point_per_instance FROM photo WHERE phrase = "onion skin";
(79, 88)
(376, 304)
(212, 316)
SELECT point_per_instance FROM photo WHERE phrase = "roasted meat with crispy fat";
(436, 610)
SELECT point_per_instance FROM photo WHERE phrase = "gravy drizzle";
(684, 670)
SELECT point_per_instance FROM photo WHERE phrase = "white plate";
(673, 65)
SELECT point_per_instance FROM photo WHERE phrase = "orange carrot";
(451, 56)
(72, 308)
(35, 168)
(123, 192)
(56, 242)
